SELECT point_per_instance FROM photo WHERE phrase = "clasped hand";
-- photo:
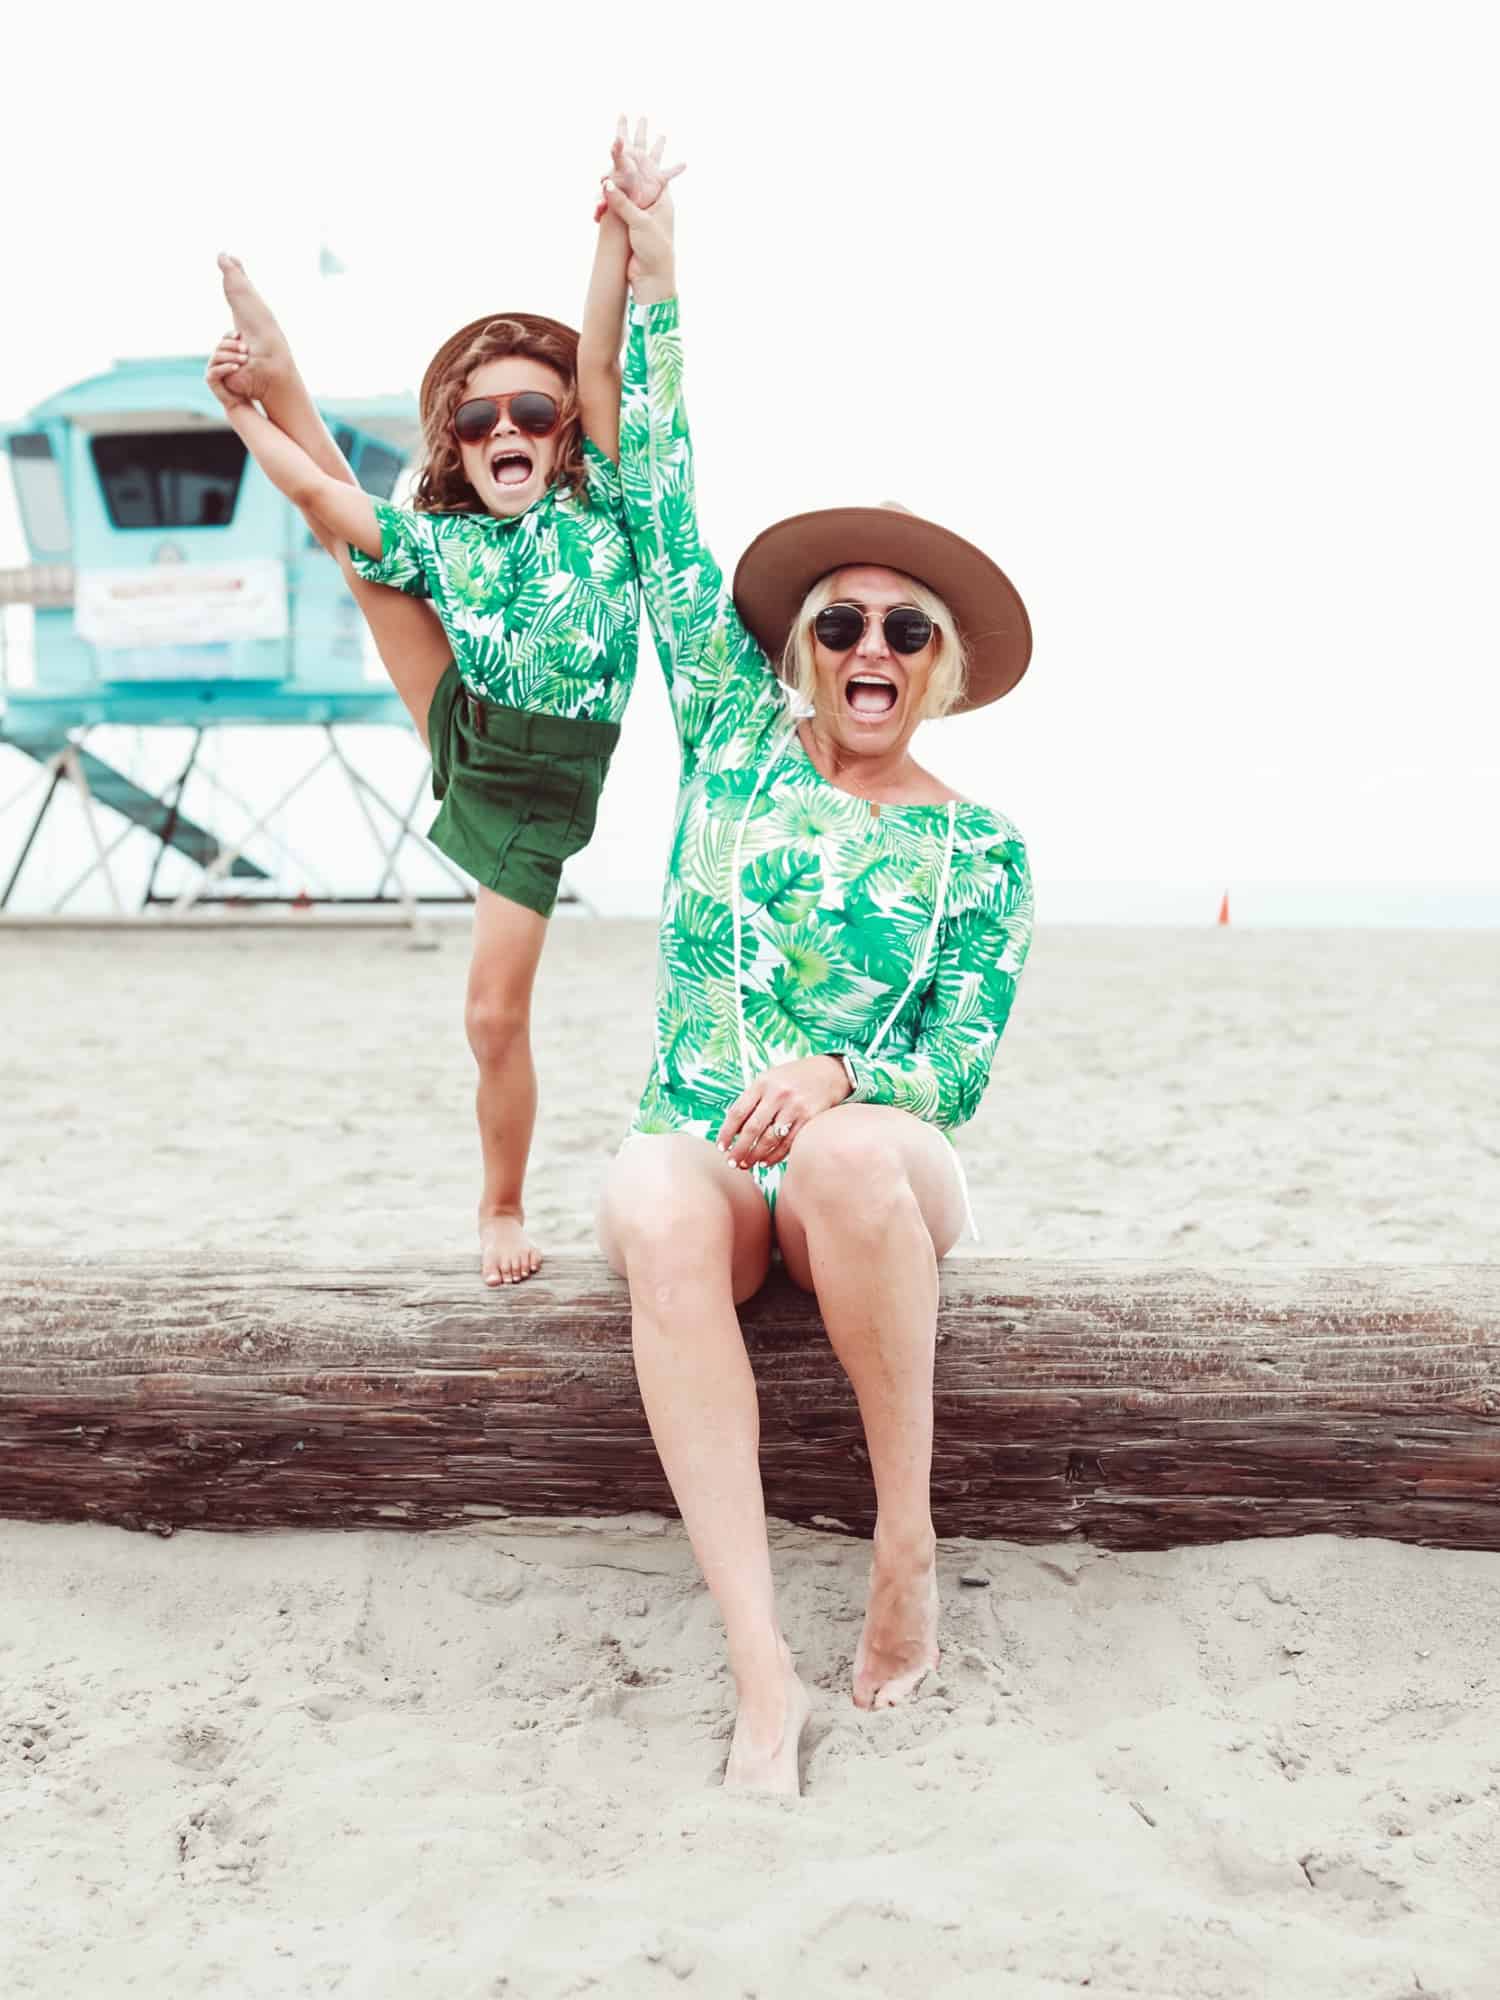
(761, 1126)
(636, 192)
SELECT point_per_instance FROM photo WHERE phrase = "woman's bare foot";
(506, 1253)
(773, 1712)
(898, 1647)
(270, 363)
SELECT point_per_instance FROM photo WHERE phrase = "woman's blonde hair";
(950, 669)
(442, 486)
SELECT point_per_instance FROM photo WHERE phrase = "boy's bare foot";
(506, 1253)
(898, 1647)
(768, 1732)
(270, 362)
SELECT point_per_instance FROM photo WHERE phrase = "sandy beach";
(486, 1763)
(1312, 1097)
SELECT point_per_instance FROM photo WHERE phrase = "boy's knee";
(495, 1026)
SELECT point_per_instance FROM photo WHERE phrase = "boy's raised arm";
(640, 173)
(599, 339)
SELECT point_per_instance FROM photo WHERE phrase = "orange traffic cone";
(1224, 909)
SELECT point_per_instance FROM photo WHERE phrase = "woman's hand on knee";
(761, 1126)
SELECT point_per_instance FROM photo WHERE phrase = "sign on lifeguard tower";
(150, 620)
(171, 587)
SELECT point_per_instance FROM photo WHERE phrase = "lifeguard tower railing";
(173, 593)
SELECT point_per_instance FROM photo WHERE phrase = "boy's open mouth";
(510, 468)
(870, 694)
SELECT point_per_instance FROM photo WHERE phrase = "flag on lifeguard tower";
(1224, 909)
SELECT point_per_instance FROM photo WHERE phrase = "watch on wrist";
(843, 1056)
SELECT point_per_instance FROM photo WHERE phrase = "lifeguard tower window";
(378, 470)
(169, 479)
(39, 489)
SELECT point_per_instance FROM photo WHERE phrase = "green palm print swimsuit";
(796, 920)
(542, 609)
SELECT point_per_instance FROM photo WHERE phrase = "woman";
(840, 940)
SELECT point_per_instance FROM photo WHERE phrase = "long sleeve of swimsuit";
(982, 945)
(706, 653)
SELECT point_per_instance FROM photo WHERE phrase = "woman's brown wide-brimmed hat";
(781, 566)
(454, 345)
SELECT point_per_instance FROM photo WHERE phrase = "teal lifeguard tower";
(173, 589)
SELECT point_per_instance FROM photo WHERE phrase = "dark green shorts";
(520, 792)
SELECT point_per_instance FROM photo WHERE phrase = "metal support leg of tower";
(404, 832)
(226, 857)
(358, 787)
(164, 839)
(52, 777)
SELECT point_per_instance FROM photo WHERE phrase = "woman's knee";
(846, 1166)
(670, 1231)
(659, 1218)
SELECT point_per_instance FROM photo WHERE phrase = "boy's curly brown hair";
(441, 486)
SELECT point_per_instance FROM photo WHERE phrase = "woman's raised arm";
(704, 648)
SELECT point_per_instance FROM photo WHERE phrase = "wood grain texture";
(1138, 1406)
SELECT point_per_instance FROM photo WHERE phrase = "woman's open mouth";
(870, 694)
(510, 468)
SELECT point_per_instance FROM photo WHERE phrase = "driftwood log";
(1137, 1406)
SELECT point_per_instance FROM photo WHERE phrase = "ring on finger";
(781, 1131)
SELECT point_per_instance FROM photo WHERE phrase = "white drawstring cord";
(963, 1188)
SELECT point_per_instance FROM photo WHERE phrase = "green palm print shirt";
(795, 920)
(542, 609)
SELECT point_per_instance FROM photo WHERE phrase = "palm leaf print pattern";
(542, 610)
(835, 904)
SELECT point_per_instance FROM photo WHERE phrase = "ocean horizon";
(1274, 905)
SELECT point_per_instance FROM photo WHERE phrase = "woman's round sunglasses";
(840, 627)
(531, 411)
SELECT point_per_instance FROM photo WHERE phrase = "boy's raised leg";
(409, 639)
(271, 376)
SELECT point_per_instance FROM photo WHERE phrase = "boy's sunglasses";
(531, 411)
(840, 627)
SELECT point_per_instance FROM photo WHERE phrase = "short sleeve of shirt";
(408, 552)
(606, 495)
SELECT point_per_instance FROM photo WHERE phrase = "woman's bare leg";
(870, 1202)
(692, 1238)
(408, 637)
(508, 942)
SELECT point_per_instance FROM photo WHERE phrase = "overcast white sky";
(1186, 313)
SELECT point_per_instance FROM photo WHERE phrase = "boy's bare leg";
(408, 637)
(508, 943)
(507, 939)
